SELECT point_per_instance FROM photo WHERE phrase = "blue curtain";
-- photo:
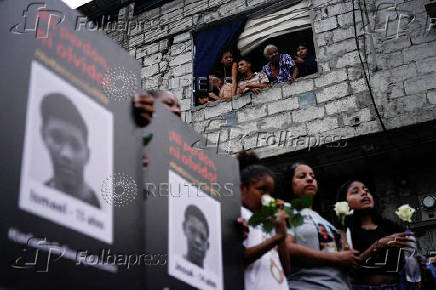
(209, 42)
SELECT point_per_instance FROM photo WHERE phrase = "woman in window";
(249, 81)
(316, 256)
(378, 240)
(224, 78)
(280, 67)
(306, 62)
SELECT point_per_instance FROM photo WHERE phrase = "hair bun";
(247, 158)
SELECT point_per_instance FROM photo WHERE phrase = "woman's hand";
(280, 223)
(280, 204)
(291, 80)
(397, 240)
(347, 258)
(299, 59)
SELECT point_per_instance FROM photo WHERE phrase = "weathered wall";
(400, 53)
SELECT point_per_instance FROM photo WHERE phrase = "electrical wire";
(362, 13)
(364, 71)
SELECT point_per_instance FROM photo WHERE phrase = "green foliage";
(147, 139)
(267, 214)
(303, 202)
(298, 220)
(268, 225)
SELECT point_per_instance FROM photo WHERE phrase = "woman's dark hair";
(246, 59)
(250, 168)
(217, 69)
(225, 50)
(303, 44)
(350, 221)
(306, 45)
(289, 174)
(341, 194)
(353, 221)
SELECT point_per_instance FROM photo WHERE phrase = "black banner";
(71, 166)
(192, 201)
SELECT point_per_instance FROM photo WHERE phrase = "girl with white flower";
(264, 252)
(377, 239)
(318, 259)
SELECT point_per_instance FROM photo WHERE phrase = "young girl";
(379, 240)
(263, 251)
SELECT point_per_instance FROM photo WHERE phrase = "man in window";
(280, 67)
(196, 230)
(249, 80)
(65, 136)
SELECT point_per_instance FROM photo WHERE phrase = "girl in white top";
(263, 251)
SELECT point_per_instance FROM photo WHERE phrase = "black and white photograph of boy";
(194, 235)
(67, 155)
(65, 136)
(196, 230)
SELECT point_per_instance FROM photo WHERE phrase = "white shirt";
(266, 273)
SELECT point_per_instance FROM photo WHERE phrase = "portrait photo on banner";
(194, 246)
(68, 153)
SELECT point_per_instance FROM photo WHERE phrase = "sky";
(75, 3)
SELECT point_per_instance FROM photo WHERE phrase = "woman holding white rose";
(318, 259)
(378, 240)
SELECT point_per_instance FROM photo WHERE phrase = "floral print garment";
(286, 64)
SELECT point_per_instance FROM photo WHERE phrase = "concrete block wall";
(161, 39)
(397, 44)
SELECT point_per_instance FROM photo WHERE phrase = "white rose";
(341, 207)
(267, 199)
(405, 212)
